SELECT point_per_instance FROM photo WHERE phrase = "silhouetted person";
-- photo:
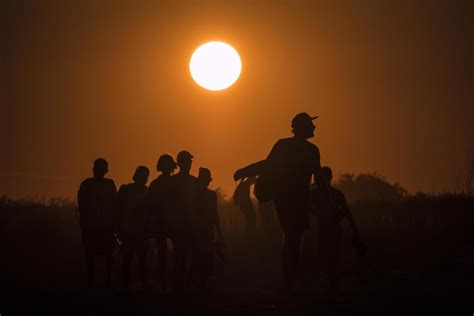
(97, 202)
(330, 230)
(242, 199)
(291, 164)
(160, 205)
(206, 228)
(131, 198)
(184, 187)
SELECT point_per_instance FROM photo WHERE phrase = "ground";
(248, 283)
(420, 260)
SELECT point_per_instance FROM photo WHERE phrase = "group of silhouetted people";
(180, 208)
(177, 207)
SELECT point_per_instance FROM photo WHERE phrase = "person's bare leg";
(179, 264)
(285, 264)
(141, 249)
(127, 263)
(291, 252)
(296, 255)
(334, 270)
(108, 268)
(182, 257)
(90, 268)
(162, 260)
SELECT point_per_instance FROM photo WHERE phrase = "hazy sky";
(392, 82)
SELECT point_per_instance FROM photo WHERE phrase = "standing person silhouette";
(330, 230)
(242, 199)
(207, 231)
(131, 198)
(97, 202)
(184, 193)
(292, 163)
(159, 205)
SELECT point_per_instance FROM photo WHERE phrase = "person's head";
(204, 177)
(184, 160)
(302, 125)
(327, 174)
(166, 164)
(141, 175)
(101, 167)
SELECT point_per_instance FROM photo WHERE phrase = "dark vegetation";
(420, 261)
(370, 186)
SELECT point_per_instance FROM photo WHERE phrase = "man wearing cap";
(292, 163)
(184, 193)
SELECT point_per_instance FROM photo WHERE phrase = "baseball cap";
(302, 118)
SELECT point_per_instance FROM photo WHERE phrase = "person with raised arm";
(285, 178)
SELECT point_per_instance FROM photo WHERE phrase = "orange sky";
(392, 85)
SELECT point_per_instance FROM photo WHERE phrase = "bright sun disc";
(215, 66)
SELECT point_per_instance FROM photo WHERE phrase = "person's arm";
(116, 206)
(80, 197)
(249, 171)
(149, 203)
(121, 197)
(358, 244)
(347, 213)
(217, 224)
(256, 168)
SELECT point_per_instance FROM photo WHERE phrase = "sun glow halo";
(215, 65)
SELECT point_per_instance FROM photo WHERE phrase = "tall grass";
(41, 244)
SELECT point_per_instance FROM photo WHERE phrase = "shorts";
(292, 214)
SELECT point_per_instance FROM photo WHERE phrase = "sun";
(215, 66)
